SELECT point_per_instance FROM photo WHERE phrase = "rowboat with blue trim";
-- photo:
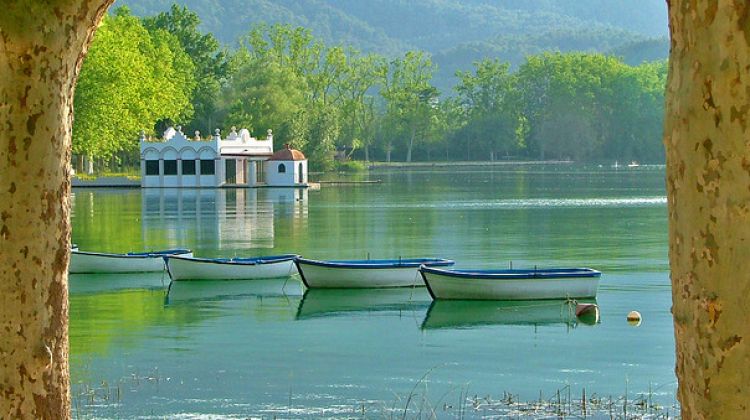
(553, 283)
(132, 262)
(268, 267)
(365, 273)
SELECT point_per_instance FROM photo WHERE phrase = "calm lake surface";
(265, 348)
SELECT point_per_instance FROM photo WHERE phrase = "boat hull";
(444, 284)
(206, 269)
(91, 262)
(370, 274)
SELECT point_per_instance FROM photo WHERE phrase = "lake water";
(265, 349)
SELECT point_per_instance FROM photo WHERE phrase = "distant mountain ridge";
(455, 32)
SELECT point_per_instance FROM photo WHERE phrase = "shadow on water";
(339, 302)
(180, 292)
(445, 314)
(79, 284)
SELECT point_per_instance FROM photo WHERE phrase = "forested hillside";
(432, 25)
(455, 32)
(381, 79)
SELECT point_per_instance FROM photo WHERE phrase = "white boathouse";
(286, 167)
(239, 160)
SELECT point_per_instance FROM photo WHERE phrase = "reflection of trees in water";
(109, 317)
(107, 220)
(103, 321)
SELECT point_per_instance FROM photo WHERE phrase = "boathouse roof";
(287, 153)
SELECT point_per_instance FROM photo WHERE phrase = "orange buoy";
(634, 318)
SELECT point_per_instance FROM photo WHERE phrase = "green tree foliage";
(590, 106)
(456, 33)
(358, 111)
(313, 96)
(131, 79)
(265, 95)
(490, 114)
(412, 100)
(334, 102)
(209, 60)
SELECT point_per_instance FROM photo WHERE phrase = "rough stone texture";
(42, 45)
(708, 186)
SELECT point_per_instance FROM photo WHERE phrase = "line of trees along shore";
(338, 104)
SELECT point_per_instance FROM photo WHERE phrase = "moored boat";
(191, 268)
(555, 283)
(364, 273)
(132, 262)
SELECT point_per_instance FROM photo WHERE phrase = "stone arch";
(150, 154)
(169, 153)
(188, 153)
(206, 153)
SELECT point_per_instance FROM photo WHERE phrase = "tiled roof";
(287, 153)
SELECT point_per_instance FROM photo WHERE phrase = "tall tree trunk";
(411, 144)
(42, 45)
(708, 179)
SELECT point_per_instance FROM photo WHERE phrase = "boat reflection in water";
(478, 313)
(79, 284)
(337, 302)
(216, 290)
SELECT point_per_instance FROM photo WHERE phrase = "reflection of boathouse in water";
(234, 218)
(237, 161)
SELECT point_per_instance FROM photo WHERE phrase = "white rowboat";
(364, 273)
(558, 283)
(132, 262)
(190, 268)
